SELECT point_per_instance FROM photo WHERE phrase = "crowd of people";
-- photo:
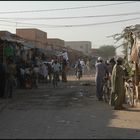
(25, 75)
(28, 76)
(114, 70)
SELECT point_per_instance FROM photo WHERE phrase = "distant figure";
(49, 67)
(88, 67)
(28, 77)
(43, 72)
(78, 70)
(109, 67)
(56, 69)
(83, 65)
(64, 70)
(35, 76)
(22, 76)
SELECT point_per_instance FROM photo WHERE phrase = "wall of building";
(38, 37)
(28, 34)
(83, 46)
(55, 42)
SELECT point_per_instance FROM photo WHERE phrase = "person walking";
(49, 67)
(101, 71)
(43, 72)
(117, 82)
(35, 75)
(83, 66)
(64, 70)
(78, 70)
(22, 76)
(56, 68)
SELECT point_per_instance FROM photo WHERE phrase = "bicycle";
(78, 74)
(106, 89)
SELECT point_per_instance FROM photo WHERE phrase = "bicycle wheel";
(106, 93)
(78, 75)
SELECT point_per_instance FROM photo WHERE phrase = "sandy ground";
(69, 111)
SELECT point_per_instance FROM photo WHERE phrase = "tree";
(127, 37)
(107, 51)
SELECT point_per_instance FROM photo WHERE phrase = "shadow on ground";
(68, 111)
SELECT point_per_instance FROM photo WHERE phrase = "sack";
(134, 54)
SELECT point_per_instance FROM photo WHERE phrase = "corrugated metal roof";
(28, 45)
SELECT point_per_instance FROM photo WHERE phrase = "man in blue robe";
(101, 72)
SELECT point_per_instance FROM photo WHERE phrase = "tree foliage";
(107, 51)
(127, 36)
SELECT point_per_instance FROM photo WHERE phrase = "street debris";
(86, 84)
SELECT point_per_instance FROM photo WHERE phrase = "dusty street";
(68, 111)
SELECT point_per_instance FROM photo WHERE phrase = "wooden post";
(136, 74)
(137, 86)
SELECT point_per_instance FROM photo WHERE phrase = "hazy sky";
(97, 34)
